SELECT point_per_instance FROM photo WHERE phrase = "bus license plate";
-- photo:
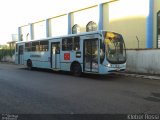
(117, 66)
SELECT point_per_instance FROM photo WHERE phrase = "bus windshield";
(115, 48)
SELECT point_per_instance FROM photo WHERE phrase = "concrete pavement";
(126, 73)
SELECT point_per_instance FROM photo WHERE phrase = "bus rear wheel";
(76, 69)
(29, 64)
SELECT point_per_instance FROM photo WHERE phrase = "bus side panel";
(68, 57)
(66, 60)
(44, 60)
(39, 59)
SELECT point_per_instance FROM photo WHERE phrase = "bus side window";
(28, 46)
(43, 45)
(76, 44)
(67, 44)
(64, 44)
(35, 46)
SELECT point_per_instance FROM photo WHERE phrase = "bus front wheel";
(29, 64)
(76, 69)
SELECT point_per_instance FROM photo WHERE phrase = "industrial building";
(137, 20)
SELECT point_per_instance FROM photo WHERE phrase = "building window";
(158, 29)
(91, 26)
(75, 29)
(21, 37)
(27, 37)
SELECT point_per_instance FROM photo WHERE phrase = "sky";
(16, 13)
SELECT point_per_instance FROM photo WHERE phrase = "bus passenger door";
(20, 54)
(55, 55)
(90, 55)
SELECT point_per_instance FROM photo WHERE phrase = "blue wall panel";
(100, 22)
(47, 28)
(69, 23)
(149, 41)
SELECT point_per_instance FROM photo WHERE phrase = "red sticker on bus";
(66, 56)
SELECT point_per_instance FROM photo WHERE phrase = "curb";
(140, 76)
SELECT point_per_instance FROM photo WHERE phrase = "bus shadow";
(47, 71)
(40, 70)
(108, 77)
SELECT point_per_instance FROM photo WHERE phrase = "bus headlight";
(109, 65)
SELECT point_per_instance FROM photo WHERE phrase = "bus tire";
(29, 64)
(76, 69)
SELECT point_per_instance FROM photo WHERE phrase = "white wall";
(24, 31)
(143, 61)
(58, 26)
(8, 59)
(39, 29)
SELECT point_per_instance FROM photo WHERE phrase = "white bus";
(99, 52)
